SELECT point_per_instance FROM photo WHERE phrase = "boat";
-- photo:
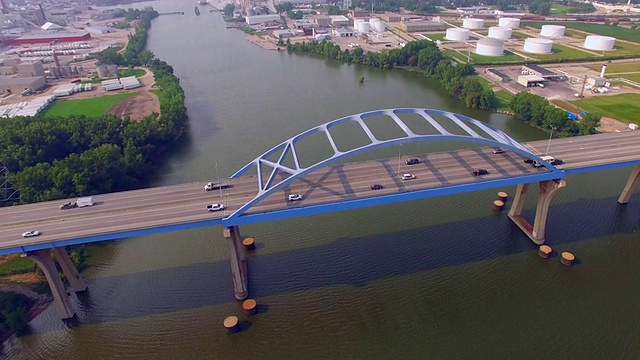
(197, 11)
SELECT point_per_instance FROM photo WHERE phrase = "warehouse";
(46, 38)
(531, 80)
(15, 85)
(423, 25)
(532, 69)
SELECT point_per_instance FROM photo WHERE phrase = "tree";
(229, 8)
(589, 124)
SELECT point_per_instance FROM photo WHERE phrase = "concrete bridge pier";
(547, 190)
(631, 185)
(60, 297)
(238, 259)
(69, 270)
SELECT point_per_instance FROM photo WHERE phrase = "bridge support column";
(547, 190)
(631, 185)
(69, 270)
(60, 297)
(238, 259)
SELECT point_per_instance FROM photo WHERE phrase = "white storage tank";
(490, 47)
(499, 32)
(457, 34)
(538, 46)
(509, 22)
(356, 22)
(472, 24)
(552, 30)
(363, 27)
(598, 42)
(379, 26)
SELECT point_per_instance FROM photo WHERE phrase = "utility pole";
(584, 82)
(550, 136)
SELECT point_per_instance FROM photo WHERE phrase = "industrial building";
(498, 75)
(530, 80)
(392, 18)
(260, 19)
(533, 69)
(423, 25)
(284, 34)
(339, 21)
(44, 38)
(323, 21)
(16, 85)
(100, 29)
(343, 32)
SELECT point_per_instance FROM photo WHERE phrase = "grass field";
(90, 107)
(504, 99)
(486, 84)
(618, 68)
(559, 9)
(16, 265)
(608, 30)
(436, 36)
(562, 52)
(125, 72)
(624, 107)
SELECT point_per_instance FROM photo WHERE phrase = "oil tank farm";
(472, 24)
(362, 27)
(457, 34)
(490, 47)
(599, 42)
(552, 31)
(499, 32)
(509, 22)
(538, 46)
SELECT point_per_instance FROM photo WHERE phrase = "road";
(186, 203)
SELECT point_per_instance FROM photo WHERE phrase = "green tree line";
(536, 111)
(422, 55)
(53, 158)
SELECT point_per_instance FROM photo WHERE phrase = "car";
(412, 161)
(478, 172)
(295, 197)
(498, 150)
(408, 176)
(377, 187)
(215, 207)
(68, 205)
(528, 161)
(30, 233)
(556, 162)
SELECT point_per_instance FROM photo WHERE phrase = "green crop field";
(618, 68)
(618, 32)
(93, 107)
(623, 107)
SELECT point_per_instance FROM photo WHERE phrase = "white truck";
(215, 186)
(85, 201)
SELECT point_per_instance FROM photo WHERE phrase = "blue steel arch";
(495, 137)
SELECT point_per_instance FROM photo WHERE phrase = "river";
(437, 278)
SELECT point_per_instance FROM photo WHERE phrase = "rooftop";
(539, 69)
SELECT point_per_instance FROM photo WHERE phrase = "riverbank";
(41, 303)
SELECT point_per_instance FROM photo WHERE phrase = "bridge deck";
(118, 213)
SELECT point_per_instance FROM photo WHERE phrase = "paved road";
(186, 203)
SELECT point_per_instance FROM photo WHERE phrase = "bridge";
(328, 185)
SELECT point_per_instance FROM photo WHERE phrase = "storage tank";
(473, 24)
(499, 32)
(457, 34)
(103, 71)
(363, 27)
(509, 22)
(552, 30)
(356, 22)
(598, 42)
(379, 26)
(490, 47)
(538, 46)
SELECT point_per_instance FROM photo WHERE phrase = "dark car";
(413, 161)
(478, 172)
(68, 205)
(528, 161)
(556, 162)
(376, 187)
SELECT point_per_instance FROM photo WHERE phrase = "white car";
(295, 197)
(30, 233)
(215, 207)
(408, 176)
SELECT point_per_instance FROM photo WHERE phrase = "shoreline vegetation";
(61, 157)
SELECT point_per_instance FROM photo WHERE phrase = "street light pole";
(550, 136)
(218, 176)
(399, 147)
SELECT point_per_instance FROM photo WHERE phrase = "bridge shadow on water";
(349, 261)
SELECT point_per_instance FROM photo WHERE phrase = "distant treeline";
(53, 158)
(423, 55)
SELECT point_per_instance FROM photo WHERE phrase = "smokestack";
(604, 68)
(55, 58)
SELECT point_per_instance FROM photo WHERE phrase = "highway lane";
(186, 203)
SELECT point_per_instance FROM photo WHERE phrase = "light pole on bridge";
(218, 176)
(550, 136)
(399, 148)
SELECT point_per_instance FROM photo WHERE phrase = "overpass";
(329, 185)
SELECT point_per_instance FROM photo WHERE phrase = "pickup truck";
(215, 186)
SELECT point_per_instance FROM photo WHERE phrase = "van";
(85, 201)
(548, 159)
